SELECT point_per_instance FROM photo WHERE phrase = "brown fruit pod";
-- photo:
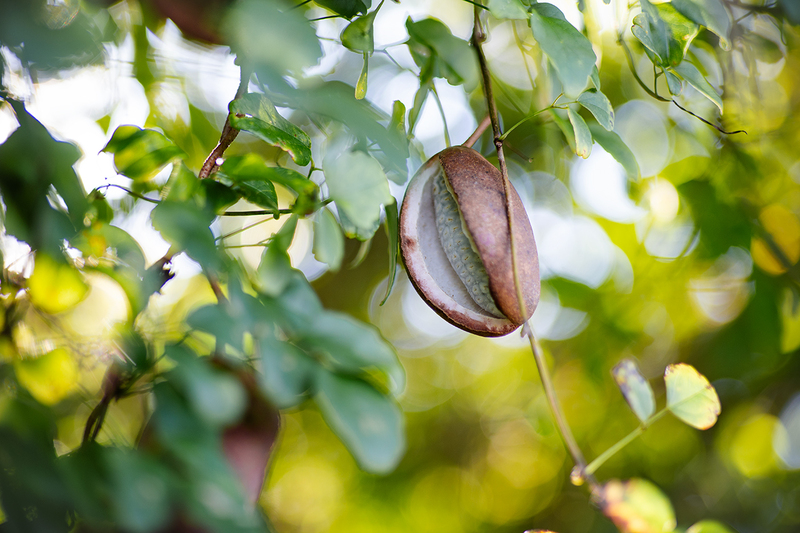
(477, 187)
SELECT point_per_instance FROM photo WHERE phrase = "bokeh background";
(694, 262)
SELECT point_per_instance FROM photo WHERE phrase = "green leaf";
(139, 489)
(709, 13)
(599, 106)
(361, 85)
(568, 50)
(709, 526)
(767, 50)
(272, 35)
(345, 8)
(215, 320)
(49, 377)
(595, 77)
(55, 286)
(286, 372)
(359, 187)
(351, 231)
(691, 397)
(393, 236)
(614, 145)
(186, 226)
(328, 240)
(254, 187)
(433, 46)
(673, 83)
(217, 397)
(275, 270)
(682, 29)
(352, 346)
(635, 389)
(140, 154)
(583, 137)
(256, 114)
(690, 73)
(369, 424)
(508, 9)
(416, 108)
(638, 506)
(252, 167)
(358, 35)
(398, 122)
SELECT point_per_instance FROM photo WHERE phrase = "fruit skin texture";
(478, 189)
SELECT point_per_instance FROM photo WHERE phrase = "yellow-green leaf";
(690, 396)
(709, 526)
(55, 287)
(637, 506)
(50, 377)
(635, 388)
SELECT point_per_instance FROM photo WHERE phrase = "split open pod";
(455, 242)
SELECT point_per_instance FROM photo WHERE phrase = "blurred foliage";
(157, 331)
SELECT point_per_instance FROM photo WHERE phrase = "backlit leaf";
(614, 145)
(709, 13)
(361, 85)
(508, 9)
(50, 377)
(370, 424)
(434, 47)
(583, 137)
(599, 106)
(635, 388)
(55, 286)
(359, 187)
(140, 154)
(637, 506)
(345, 8)
(328, 240)
(275, 270)
(256, 114)
(690, 73)
(187, 227)
(691, 397)
(709, 526)
(568, 50)
(358, 35)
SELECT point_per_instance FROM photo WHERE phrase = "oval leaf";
(709, 13)
(690, 396)
(598, 105)
(256, 114)
(369, 424)
(690, 73)
(637, 506)
(49, 377)
(583, 137)
(614, 145)
(358, 35)
(328, 240)
(286, 372)
(569, 51)
(635, 388)
(139, 154)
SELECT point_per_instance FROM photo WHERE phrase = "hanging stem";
(572, 446)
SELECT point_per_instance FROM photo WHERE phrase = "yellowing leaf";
(50, 377)
(637, 506)
(709, 526)
(635, 388)
(690, 396)
(55, 287)
(779, 248)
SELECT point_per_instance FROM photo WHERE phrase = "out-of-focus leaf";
(434, 47)
(99, 209)
(416, 108)
(218, 197)
(709, 526)
(635, 388)
(599, 106)
(140, 154)
(140, 487)
(637, 506)
(272, 35)
(256, 114)
(353, 231)
(568, 50)
(55, 286)
(345, 8)
(186, 226)
(358, 35)
(673, 83)
(583, 137)
(328, 240)
(690, 73)
(215, 320)
(369, 424)
(709, 13)
(691, 397)
(767, 50)
(352, 346)
(361, 85)
(216, 396)
(398, 122)
(508, 9)
(50, 377)
(776, 247)
(286, 372)
(682, 29)
(614, 145)
(359, 187)
(275, 270)
(393, 236)
(595, 77)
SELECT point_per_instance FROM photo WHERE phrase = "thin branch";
(299, 5)
(558, 414)
(132, 193)
(229, 133)
(476, 4)
(441, 112)
(478, 132)
(707, 122)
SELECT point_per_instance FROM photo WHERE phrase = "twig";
(707, 122)
(229, 133)
(478, 132)
(558, 414)
(132, 193)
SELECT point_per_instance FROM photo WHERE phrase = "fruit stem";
(487, 120)
(558, 414)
